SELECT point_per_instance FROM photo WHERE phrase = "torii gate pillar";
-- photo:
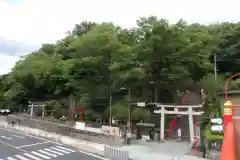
(162, 122)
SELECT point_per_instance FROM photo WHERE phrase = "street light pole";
(215, 68)
(129, 107)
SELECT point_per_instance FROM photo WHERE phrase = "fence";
(215, 145)
(115, 154)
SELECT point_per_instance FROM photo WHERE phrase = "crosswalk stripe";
(60, 150)
(47, 153)
(71, 150)
(21, 157)
(40, 155)
(10, 158)
(49, 150)
(32, 156)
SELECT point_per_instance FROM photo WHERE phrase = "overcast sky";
(26, 24)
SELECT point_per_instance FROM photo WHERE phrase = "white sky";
(41, 21)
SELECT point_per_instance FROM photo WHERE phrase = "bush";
(210, 136)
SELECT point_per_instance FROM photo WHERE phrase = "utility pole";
(129, 109)
(110, 101)
(215, 67)
(110, 107)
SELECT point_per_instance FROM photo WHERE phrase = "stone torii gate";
(33, 105)
(186, 110)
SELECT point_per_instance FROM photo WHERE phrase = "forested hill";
(156, 60)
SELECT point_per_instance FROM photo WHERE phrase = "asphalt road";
(18, 146)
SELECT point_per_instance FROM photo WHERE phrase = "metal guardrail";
(215, 145)
(115, 154)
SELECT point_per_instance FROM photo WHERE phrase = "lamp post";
(129, 107)
(227, 84)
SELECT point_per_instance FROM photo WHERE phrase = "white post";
(162, 124)
(179, 133)
(191, 127)
(31, 110)
(43, 111)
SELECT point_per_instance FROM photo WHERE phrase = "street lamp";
(154, 91)
(129, 107)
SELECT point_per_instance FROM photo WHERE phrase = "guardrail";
(65, 130)
(215, 145)
(116, 154)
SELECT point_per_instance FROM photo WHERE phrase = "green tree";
(156, 60)
(211, 88)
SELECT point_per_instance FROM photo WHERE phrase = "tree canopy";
(155, 60)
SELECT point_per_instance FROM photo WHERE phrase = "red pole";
(183, 100)
(228, 150)
(227, 114)
(174, 121)
(81, 114)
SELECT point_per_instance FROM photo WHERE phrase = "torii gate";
(190, 112)
(75, 111)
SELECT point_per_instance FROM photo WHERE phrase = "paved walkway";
(153, 150)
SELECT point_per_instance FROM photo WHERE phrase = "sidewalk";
(165, 151)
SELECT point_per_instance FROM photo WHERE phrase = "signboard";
(157, 111)
(141, 104)
(216, 125)
(217, 128)
(80, 125)
(217, 121)
(114, 131)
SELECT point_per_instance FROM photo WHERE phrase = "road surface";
(18, 146)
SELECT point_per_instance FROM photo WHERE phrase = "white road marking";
(12, 146)
(60, 150)
(71, 150)
(47, 153)
(10, 158)
(49, 150)
(32, 156)
(34, 144)
(17, 132)
(17, 136)
(92, 154)
(40, 155)
(5, 137)
(30, 136)
(21, 157)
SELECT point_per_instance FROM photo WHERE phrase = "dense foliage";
(155, 60)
